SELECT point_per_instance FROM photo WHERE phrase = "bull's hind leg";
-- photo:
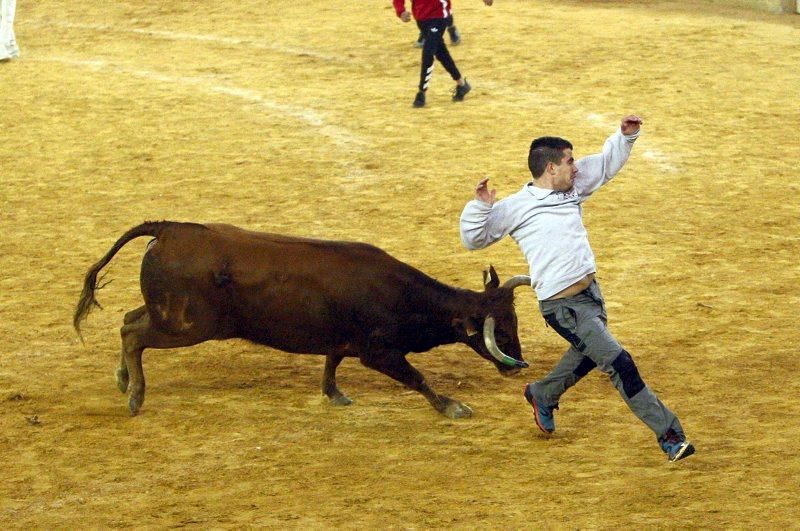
(395, 365)
(135, 315)
(122, 372)
(139, 335)
(329, 388)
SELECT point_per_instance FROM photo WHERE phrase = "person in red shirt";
(432, 18)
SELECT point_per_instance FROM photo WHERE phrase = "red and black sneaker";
(675, 445)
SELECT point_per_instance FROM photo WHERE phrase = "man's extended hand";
(488, 2)
(482, 192)
(405, 16)
(630, 124)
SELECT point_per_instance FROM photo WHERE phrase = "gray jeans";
(581, 320)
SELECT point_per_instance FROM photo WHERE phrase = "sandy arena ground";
(295, 117)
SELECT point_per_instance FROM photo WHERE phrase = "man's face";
(565, 172)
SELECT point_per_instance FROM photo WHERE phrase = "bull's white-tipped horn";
(494, 350)
(517, 281)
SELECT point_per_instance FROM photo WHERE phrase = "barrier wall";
(772, 6)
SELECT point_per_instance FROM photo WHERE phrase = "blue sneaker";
(676, 446)
(543, 415)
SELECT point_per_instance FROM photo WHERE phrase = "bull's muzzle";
(494, 350)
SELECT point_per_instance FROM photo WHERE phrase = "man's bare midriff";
(574, 289)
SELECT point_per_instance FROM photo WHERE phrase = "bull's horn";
(517, 281)
(494, 350)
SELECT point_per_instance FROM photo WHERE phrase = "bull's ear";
(467, 324)
(490, 278)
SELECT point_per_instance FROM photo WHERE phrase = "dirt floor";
(296, 117)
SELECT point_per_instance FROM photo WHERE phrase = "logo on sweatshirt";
(569, 194)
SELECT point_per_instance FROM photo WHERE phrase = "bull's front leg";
(395, 365)
(329, 388)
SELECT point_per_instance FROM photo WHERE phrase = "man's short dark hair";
(543, 150)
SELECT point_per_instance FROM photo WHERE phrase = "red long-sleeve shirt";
(425, 9)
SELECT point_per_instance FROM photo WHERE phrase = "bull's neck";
(461, 304)
(440, 306)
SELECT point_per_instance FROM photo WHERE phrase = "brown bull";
(340, 299)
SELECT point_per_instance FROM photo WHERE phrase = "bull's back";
(259, 257)
(193, 247)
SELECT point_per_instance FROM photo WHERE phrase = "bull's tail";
(88, 300)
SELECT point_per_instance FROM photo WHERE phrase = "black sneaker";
(420, 40)
(419, 100)
(455, 36)
(461, 91)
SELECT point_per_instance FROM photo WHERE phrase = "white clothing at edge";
(8, 41)
(546, 224)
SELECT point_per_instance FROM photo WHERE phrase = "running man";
(545, 219)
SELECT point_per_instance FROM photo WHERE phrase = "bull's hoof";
(134, 405)
(457, 410)
(340, 400)
(122, 380)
